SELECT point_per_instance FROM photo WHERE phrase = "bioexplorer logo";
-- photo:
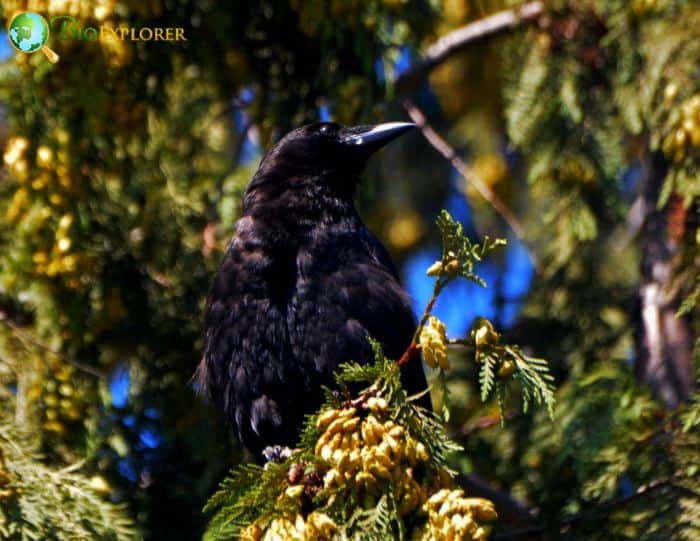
(28, 32)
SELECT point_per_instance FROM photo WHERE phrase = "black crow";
(302, 286)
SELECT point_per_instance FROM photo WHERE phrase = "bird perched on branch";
(302, 286)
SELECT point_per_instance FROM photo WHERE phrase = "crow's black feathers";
(301, 287)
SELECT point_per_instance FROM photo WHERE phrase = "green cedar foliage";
(40, 503)
(255, 497)
(596, 88)
(123, 179)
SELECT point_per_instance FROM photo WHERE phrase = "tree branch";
(643, 490)
(450, 44)
(22, 335)
(444, 148)
(510, 510)
(664, 341)
(482, 423)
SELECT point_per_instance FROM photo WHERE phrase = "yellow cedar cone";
(483, 333)
(670, 92)
(320, 526)
(433, 343)
(251, 533)
(99, 484)
(367, 455)
(15, 149)
(4, 473)
(684, 133)
(452, 516)
(434, 269)
(44, 156)
(507, 369)
(317, 526)
(452, 267)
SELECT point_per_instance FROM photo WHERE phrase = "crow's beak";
(373, 138)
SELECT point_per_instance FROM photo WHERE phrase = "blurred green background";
(124, 166)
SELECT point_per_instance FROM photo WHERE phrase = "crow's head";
(329, 146)
(323, 153)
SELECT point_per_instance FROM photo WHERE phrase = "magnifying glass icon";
(28, 32)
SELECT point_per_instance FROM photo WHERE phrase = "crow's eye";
(327, 129)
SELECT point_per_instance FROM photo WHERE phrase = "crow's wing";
(279, 321)
(247, 369)
(343, 295)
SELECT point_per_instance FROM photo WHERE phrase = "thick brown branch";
(455, 41)
(444, 148)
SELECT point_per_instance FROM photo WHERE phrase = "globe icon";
(28, 32)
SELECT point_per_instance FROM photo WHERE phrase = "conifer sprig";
(373, 465)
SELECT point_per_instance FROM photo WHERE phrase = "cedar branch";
(450, 44)
(450, 154)
(643, 490)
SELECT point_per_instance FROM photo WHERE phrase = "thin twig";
(481, 423)
(444, 148)
(17, 331)
(455, 41)
(413, 347)
(462, 342)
